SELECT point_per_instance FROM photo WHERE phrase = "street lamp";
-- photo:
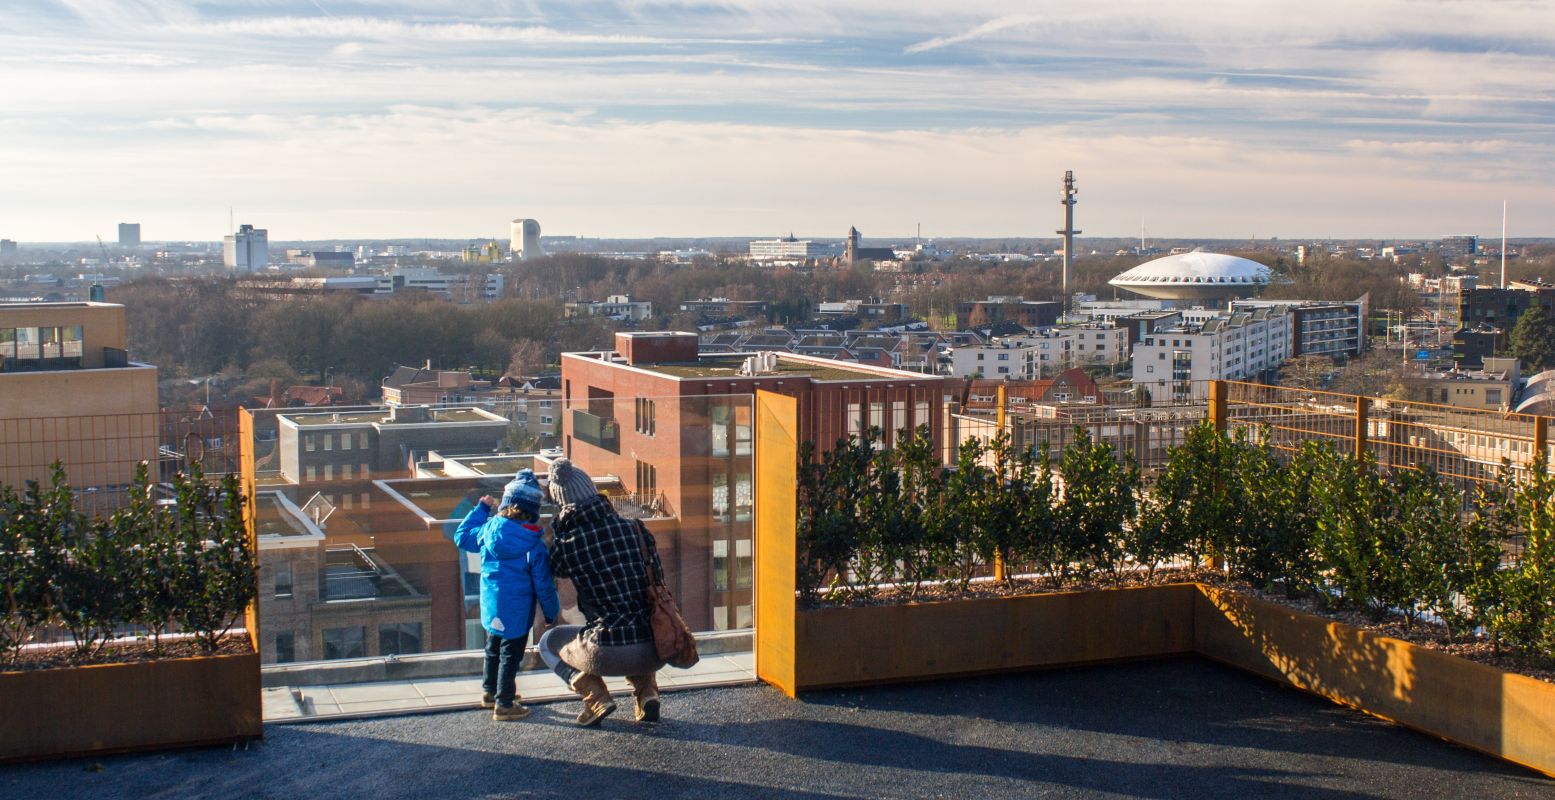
(207, 381)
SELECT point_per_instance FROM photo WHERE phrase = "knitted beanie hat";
(523, 491)
(570, 485)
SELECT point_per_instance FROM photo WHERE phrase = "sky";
(448, 118)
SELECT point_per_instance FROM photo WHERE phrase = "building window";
(647, 479)
(345, 472)
(855, 420)
(361, 440)
(308, 443)
(646, 416)
(285, 647)
(283, 579)
(363, 471)
(899, 415)
(345, 441)
(345, 643)
(1493, 397)
(721, 565)
(329, 441)
(744, 498)
(329, 471)
(744, 567)
(399, 638)
(308, 474)
(720, 497)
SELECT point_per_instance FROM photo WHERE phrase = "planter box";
(877, 644)
(1500, 713)
(109, 708)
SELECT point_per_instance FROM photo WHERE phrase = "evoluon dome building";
(1197, 276)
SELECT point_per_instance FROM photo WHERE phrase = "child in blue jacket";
(515, 574)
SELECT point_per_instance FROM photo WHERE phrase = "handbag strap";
(654, 579)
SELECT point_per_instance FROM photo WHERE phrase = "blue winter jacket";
(515, 571)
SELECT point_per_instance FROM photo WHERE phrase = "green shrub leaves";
(147, 568)
(1310, 522)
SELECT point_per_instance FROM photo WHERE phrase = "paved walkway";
(312, 703)
(1187, 728)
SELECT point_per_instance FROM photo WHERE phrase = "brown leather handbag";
(671, 636)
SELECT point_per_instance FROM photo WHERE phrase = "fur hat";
(524, 492)
(570, 485)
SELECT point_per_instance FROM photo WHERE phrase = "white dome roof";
(1194, 275)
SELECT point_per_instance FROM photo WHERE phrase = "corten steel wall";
(1506, 715)
(777, 453)
(889, 643)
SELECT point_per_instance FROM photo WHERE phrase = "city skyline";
(325, 119)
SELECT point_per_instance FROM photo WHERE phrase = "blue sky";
(324, 118)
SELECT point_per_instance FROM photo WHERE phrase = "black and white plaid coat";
(600, 552)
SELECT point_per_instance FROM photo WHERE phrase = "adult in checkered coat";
(603, 555)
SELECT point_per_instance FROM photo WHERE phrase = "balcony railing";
(602, 432)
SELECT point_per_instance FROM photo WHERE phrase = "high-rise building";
(525, 242)
(129, 234)
(248, 250)
(1460, 248)
(7, 251)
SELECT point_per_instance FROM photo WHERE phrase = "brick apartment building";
(676, 428)
(1019, 310)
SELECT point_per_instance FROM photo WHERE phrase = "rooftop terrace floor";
(1181, 728)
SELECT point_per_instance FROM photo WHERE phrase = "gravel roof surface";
(1180, 728)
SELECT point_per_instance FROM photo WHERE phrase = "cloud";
(986, 29)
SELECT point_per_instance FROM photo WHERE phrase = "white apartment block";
(616, 307)
(1173, 363)
(1041, 354)
(791, 248)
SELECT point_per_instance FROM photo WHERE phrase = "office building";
(351, 445)
(792, 249)
(1487, 315)
(248, 250)
(69, 392)
(1459, 249)
(129, 234)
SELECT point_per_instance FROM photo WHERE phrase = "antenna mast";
(1068, 232)
(1503, 244)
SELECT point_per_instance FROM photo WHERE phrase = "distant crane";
(104, 248)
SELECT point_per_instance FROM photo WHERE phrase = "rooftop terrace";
(382, 417)
(720, 367)
(1180, 728)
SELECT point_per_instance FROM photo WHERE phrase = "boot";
(645, 689)
(596, 699)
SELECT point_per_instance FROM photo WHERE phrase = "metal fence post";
(1218, 404)
(1000, 398)
(1362, 412)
